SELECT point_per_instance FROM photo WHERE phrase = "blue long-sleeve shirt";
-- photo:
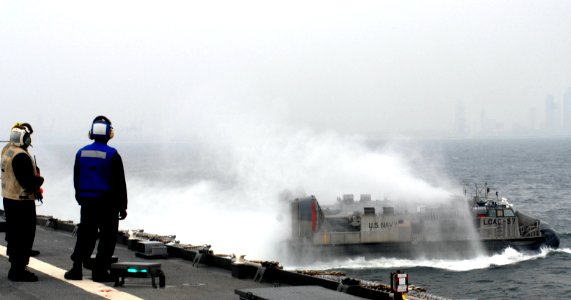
(118, 195)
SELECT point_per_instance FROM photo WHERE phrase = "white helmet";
(101, 128)
(20, 135)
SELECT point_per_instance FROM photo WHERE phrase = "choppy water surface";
(535, 175)
(226, 196)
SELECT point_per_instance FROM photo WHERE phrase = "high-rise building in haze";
(567, 111)
(551, 114)
(489, 125)
(460, 124)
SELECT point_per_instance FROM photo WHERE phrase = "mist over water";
(240, 208)
(223, 177)
(223, 183)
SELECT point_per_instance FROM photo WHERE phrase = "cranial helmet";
(101, 129)
(20, 134)
(28, 127)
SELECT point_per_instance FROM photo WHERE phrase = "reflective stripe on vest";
(94, 154)
(94, 170)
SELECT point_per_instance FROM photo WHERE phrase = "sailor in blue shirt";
(100, 190)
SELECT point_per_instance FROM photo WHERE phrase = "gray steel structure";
(483, 225)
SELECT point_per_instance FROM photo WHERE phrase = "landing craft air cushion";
(375, 230)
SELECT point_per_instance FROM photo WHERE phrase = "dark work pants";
(94, 219)
(20, 230)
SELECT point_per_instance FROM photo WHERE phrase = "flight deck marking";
(87, 285)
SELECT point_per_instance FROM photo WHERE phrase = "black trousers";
(20, 230)
(96, 220)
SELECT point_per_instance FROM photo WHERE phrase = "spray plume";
(224, 179)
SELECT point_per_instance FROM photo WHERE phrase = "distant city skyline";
(554, 118)
(377, 68)
(567, 111)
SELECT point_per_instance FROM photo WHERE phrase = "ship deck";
(214, 278)
(184, 279)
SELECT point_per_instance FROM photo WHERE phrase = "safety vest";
(11, 188)
(94, 177)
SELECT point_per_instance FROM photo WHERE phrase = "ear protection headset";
(101, 128)
(20, 135)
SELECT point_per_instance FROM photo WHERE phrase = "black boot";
(21, 274)
(102, 275)
(76, 272)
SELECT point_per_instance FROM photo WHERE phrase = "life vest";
(11, 188)
(94, 177)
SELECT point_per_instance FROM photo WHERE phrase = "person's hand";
(39, 194)
(39, 180)
(122, 214)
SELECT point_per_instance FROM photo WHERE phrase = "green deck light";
(134, 270)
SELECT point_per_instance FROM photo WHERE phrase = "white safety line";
(86, 285)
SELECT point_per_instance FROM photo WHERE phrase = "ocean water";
(232, 196)
(535, 175)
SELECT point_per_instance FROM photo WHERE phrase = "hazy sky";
(392, 67)
(265, 91)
